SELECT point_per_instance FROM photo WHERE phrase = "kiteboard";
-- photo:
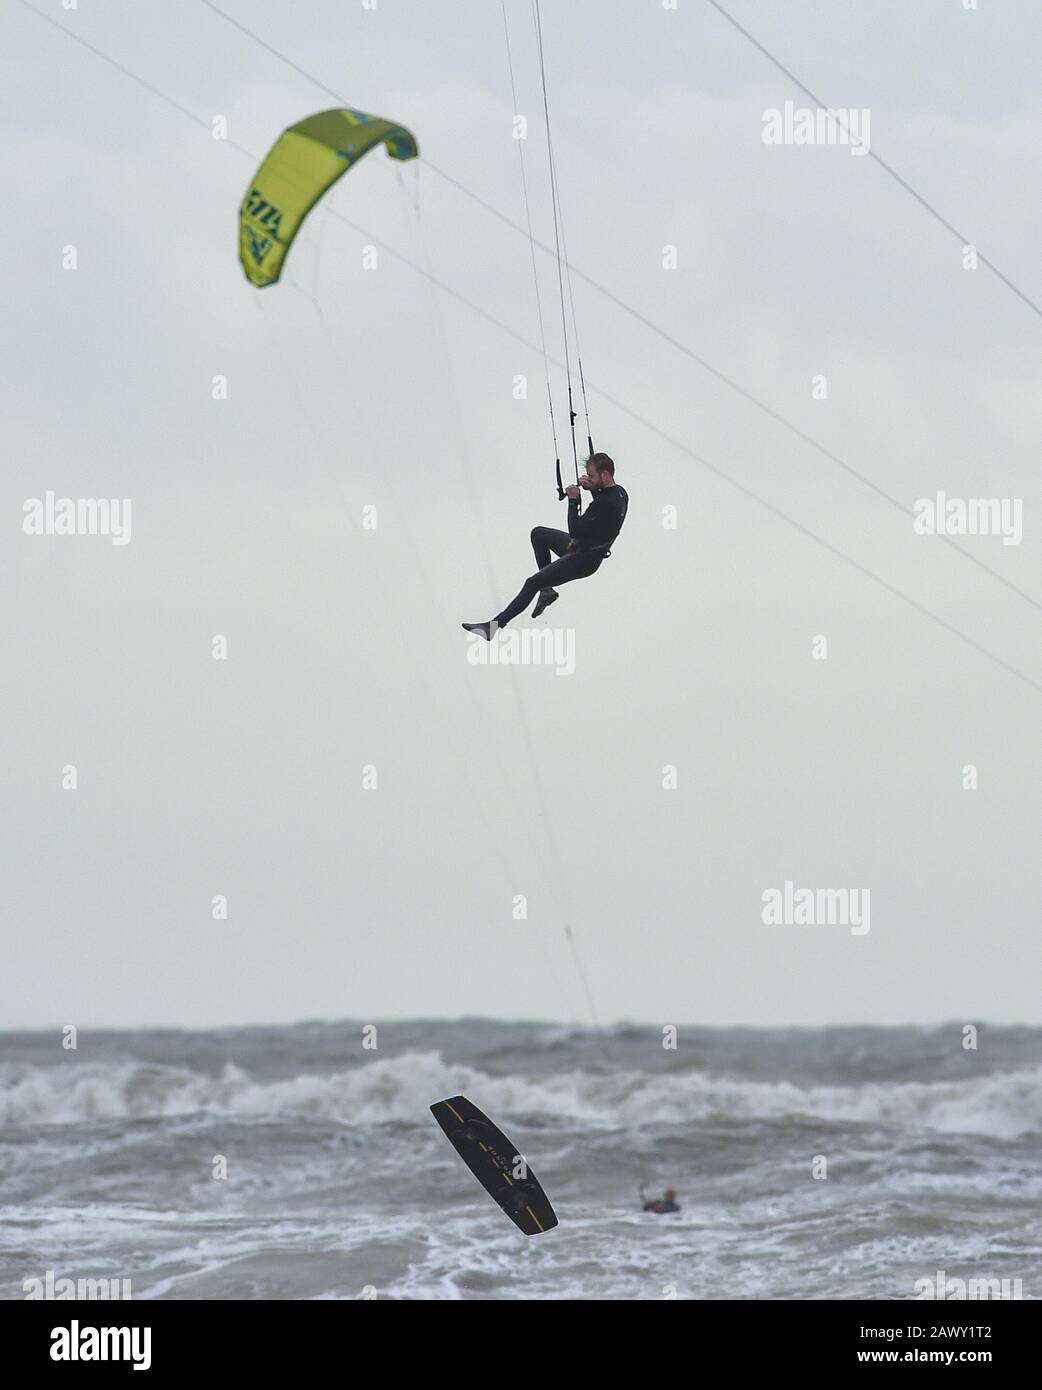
(495, 1162)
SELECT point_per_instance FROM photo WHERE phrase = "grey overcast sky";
(351, 388)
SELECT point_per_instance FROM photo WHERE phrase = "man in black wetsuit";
(581, 551)
(661, 1206)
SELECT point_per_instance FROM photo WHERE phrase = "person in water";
(580, 552)
(661, 1205)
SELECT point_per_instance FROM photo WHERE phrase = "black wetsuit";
(593, 533)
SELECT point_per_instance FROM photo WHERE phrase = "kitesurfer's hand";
(572, 492)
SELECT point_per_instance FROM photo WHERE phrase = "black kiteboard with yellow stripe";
(496, 1164)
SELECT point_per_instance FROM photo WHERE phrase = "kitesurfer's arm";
(575, 517)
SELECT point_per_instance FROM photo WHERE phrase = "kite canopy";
(305, 161)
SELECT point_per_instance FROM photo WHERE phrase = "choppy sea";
(809, 1164)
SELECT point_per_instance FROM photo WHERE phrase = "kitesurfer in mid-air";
(580, 552)
(661, 1205)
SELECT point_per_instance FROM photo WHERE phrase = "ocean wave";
(398, 1090)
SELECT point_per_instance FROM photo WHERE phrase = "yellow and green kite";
(305, 161)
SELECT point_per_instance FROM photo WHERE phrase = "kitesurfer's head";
(671, 1196)
(600, 470)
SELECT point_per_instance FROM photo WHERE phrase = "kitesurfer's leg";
(544, 540)
(577, 564)
(572, 564)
